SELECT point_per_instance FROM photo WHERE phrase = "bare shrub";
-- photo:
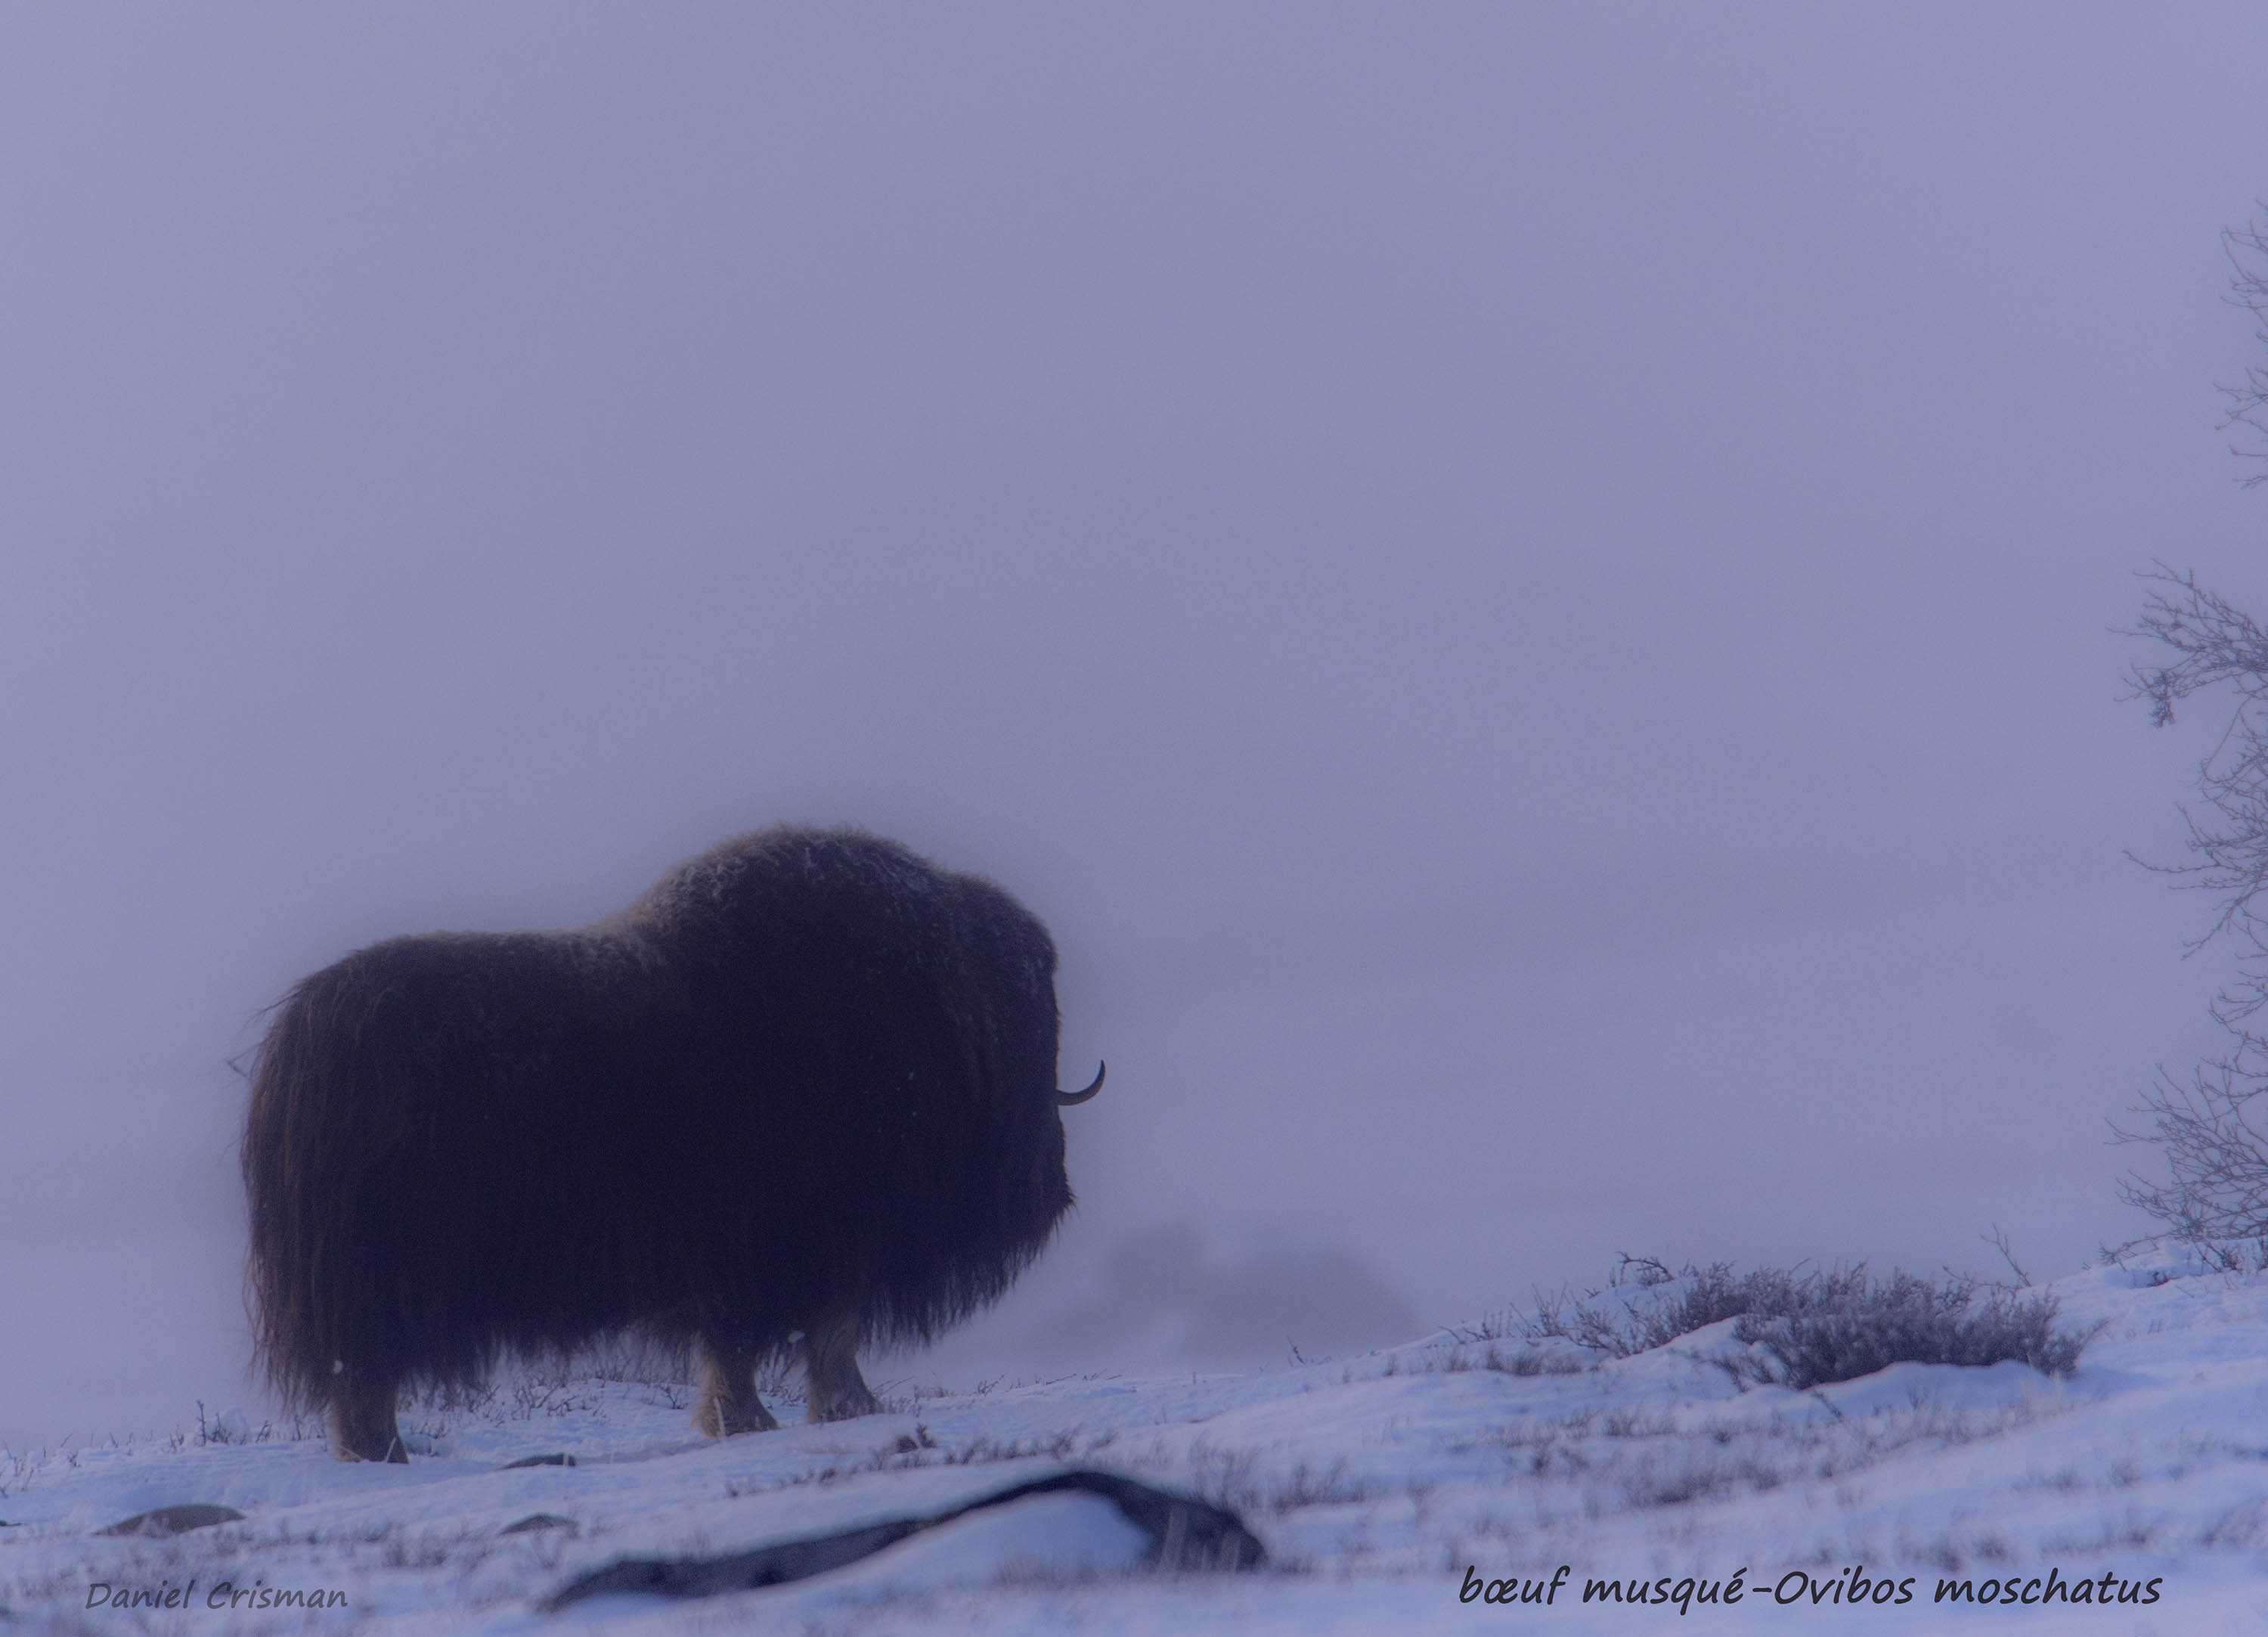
(1646, 1305)
(1842, 1325)
(2209, 1123)
(2247, 288)
(1817, 1325)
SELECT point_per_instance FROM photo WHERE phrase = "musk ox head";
(802, 1090)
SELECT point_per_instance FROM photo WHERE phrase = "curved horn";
(1065, 1099)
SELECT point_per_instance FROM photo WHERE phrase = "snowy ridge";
(1377, 1484)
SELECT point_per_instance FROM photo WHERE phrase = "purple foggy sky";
(1528, 591)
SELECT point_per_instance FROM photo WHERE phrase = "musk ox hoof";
(363, 1428)
(728, 1403)
(845, 1406)
(722, 1418)
(387, 1449)
(836, 1391)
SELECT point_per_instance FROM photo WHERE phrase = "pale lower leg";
(728, 1402)
(363, 1428)
(830, 1360)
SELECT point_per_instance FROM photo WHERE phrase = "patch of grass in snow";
(20, 1469)
(1524, 1361)
(1240, 1480)
(1951, 1555)
(2162, 1258)
(1690, 1473)
(1623, 1460)
(541, 1388)
(921, 1448)
(2242, 1528)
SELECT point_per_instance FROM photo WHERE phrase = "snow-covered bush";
(1818, 1325)
(1841, 1326)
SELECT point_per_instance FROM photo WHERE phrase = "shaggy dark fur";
(806, 1084)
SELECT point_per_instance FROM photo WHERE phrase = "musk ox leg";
(830, 1363)
(728, 1402)
(363, 1428)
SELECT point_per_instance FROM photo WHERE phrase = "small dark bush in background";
(1841, 1326)
(1818, 1327)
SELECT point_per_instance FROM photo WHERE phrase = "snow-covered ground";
(1384, 1486)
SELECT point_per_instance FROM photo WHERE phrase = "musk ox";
(805, 1088)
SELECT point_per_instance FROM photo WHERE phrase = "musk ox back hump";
(910, 1140)
(808, 1075)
